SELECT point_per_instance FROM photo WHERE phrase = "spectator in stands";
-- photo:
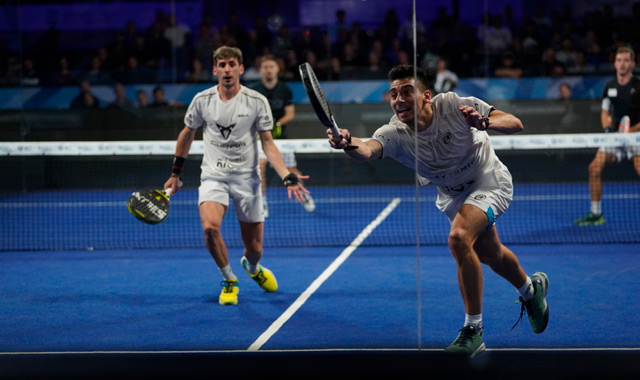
(85, 98)
(620, 98)
(177, 34)
(581, 66)
(63, 76)
(158, 98)
(508, 67)
(446, 80)
(375, 69)
(121, 101)
(197, 72)
(95, 74)
(30, 75)
(252, 73)
(570, 118)
(143, 99)
(206, 42)
(134, 73)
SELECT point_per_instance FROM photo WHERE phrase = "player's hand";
(473, 117)
(294, 186)
(339, 142)
(174, 183)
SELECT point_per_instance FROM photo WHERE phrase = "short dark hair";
(407, 71)
(226, 52)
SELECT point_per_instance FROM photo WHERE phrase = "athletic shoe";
(469, 342)
(308, 204)
(590, 220)
(263, 277)
(536, 307)
(229, 293)
(265, 207)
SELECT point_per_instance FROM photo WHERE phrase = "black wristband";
(485, 121)
(608, 129)
(290, 180)
(178, 163)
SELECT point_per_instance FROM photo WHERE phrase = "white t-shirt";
(451, 154)
(230, 134)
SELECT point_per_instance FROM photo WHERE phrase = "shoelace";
(466, 334)
(259, 277)
(522, 311)
(228, 285)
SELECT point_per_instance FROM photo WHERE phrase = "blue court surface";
(355, 308)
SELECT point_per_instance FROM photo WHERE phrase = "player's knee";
(211, 231)
(459, 242)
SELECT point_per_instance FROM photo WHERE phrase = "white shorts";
(243, 190)
(621, 153)
(492, 193)
(289, 158)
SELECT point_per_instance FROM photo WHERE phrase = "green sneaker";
(590, 220)
(469, 342)
(536, 307)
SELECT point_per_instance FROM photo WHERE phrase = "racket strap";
(290, 179)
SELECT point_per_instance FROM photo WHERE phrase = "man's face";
(228, 72)
(623, 63)
(269, 69)
(402, 94)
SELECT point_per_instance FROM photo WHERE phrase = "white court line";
(275, 326)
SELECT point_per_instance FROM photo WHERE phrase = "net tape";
(97, 148)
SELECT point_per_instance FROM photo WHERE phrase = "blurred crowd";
(558, 43)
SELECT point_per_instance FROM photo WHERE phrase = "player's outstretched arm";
(291, 181)
(365, 151)
(498, 121)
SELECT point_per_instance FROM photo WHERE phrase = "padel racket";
(318, 100)
(150, 206)
(625, 124)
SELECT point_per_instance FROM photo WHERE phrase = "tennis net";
(72, 195)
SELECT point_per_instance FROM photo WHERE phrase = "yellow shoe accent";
(229, 293)
(263, 277)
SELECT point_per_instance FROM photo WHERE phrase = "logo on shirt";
(447, 138)
(225, 131)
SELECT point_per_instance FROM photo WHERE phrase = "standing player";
(280, 99)
(621, 97)
(232, 117)
(474, 188)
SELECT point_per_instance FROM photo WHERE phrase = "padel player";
(280, 97)
(620, 97)
(474, 188)
(232, 117)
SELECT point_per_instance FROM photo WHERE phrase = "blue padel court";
(362, 290)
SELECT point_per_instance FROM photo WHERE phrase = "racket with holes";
(318, 100)
(150, 206)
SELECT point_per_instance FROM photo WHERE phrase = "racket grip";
(169, 190)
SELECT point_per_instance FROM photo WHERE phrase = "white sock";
(472, 320)
(596, 207)
(251, 268)
(227, 273)
(526, 290)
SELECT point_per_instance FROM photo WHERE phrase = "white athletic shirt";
(451, 154)
(230, 134)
